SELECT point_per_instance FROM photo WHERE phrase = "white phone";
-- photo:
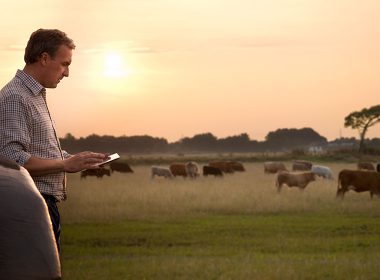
(112, 157)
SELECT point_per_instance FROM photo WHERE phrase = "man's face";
(57, 67)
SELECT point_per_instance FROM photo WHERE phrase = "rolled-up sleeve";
(65, 154)
(14, 134)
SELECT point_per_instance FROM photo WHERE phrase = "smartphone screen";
(112, 157)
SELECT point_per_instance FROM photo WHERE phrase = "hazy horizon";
(205, 132)
(174, 69)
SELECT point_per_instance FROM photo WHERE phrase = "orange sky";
(176, 68)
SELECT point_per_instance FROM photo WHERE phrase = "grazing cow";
(358, 181)
(225, 166)
(366, 166)
(192, 169)
(178, 169)
(378, 167)
(294, 179)
(302, 165)
(27, 245)
(274, 167)
(161, 171)
(211, 170)
(237, 166)
(188, 169)
(120, 167)
(322, 171)
(99, 173)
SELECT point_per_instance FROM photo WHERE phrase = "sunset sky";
(176, 68)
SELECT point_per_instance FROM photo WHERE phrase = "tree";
(200, 142)
(236, 143)
(290, 138)
(362, 121)
(69, 137)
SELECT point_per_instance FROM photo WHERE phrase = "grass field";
(128, 226)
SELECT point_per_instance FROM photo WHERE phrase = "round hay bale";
(27, 245)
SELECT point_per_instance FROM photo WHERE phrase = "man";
(27, 131)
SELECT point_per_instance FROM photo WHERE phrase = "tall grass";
(138, 197)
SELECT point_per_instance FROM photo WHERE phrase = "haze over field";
(178, 68)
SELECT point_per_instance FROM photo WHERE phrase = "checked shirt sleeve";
(14, 133)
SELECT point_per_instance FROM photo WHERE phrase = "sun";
(114, 66)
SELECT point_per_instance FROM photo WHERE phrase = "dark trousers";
(55, 218)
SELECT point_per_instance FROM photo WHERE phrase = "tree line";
(281, 140)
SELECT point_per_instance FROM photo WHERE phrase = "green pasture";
(129, 226)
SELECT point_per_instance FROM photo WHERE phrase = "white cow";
(192, 169)
(161, 171)
(322, 171)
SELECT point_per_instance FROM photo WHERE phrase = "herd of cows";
(189, 169)
(365, 178)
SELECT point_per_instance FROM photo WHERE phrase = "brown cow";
(294, 179)
(302, 165)
(225, 166)
(274, 167)
(237, 166)
(378, 167)
(120, 167)
(178, 169)
(188, 169)
(99, 173)
(358, 181)
(211, 170)
(366, 166)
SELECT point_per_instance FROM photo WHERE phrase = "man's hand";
(83, 160)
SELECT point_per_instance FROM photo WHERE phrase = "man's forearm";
(38, 167)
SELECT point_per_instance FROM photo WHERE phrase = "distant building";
(315, 150)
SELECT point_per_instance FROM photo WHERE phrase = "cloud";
(125, 46)
(260, 42)
(13, 48)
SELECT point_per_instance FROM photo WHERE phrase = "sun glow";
(114, 66)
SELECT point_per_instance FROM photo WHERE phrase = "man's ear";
(44, 57)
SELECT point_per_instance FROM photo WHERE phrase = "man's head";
(48, 56)
(45, 41)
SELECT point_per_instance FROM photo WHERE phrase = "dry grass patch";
(137, 196)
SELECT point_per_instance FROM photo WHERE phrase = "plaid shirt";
(26, 129)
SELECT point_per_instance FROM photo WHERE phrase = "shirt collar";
(34, 86)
